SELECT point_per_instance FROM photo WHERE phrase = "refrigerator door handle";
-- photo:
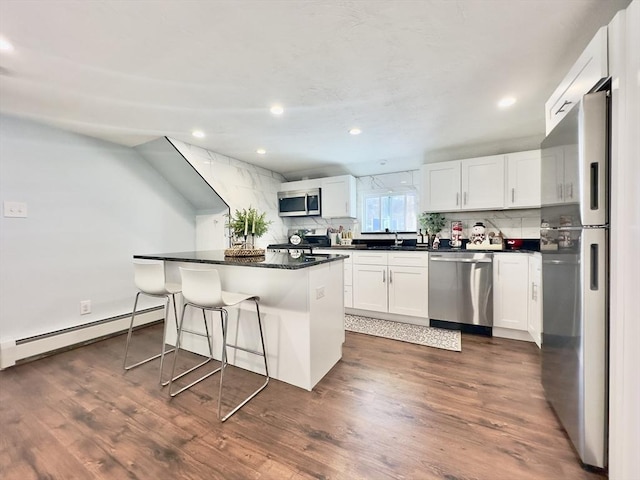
(593, 159)
(594, 333)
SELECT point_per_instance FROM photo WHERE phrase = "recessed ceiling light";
(5, 45)
(506, 102)
(355, 131)
(198, 133)
(261, 151)
(277, 109)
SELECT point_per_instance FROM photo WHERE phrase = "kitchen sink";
(391, 247)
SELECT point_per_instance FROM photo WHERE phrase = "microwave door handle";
(306, 203)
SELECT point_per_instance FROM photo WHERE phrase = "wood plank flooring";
(388, 410)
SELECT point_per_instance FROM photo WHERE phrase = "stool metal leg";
(225, 325)
(129, 335)
(175, 377)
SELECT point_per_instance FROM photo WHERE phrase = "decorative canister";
(456, 234)
(478, 233)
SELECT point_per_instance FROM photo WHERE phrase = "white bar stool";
(150, 280)
(202, 289)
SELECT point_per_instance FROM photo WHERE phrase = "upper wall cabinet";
(300, 185)
(338, 196)
(523, 180)
(591, 67)
(471, 184)
(440, 186)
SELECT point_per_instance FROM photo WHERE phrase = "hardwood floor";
(388, 410)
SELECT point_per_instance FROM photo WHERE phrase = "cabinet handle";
(390, 276)
(465, 198)
(346, 207)
(384, 276)
(560, 192)
(513, 195)
(457, 199)
(561, 109)
(570, 190)
(533, 291)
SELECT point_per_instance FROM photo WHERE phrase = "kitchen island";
(301, 303)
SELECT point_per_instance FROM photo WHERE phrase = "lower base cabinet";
(535, 299)
(517, 302)
(348, 273)
(391, 282)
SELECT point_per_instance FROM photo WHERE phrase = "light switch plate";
(15, 209)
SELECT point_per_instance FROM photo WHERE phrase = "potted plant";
(248, 224)
(433, 223)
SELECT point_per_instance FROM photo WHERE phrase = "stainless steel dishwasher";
(461, 290)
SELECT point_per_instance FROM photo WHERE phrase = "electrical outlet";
(85, 307)
(319, 292)
(15, 209)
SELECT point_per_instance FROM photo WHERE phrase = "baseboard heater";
(38, 346)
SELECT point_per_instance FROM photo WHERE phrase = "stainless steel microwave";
(299, 203)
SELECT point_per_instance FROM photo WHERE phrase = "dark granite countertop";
(528, 246)
(286, 261)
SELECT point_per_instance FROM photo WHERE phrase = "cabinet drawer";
(370, 258)
(408, 259)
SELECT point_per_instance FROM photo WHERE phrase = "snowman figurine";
(478, 234)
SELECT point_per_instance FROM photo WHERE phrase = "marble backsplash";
(241, 185)
(523, 223)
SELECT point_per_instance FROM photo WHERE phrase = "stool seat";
(150, 280)
(202, 289)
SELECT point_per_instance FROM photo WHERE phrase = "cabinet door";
(483, 183)
(535, 299)
(590, 67)
(523, 180)
(408, 290)
(370, 287)
(440, 184)
(339, 197)
(510, 292)
(552, 176)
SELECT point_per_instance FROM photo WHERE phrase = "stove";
(289, 248)
(310, 242)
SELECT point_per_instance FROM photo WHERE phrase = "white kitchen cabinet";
(560, 183)
(338, 197)
(440, 186)
(391, 282)
(483, 183)
(535, 298)
(348, 272)
(370, 287)
(469, 184)
(589, 69)
(300, 185)
(523, 180)
(510, 291)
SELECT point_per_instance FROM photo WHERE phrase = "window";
(396, 212)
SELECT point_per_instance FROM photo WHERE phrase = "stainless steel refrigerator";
(574, 242)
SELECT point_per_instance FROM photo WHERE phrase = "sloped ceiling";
(421, 78)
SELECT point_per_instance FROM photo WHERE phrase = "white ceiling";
(421, 78)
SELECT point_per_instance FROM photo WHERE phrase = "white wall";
(624, 382)
(241, 185)
(91, 206)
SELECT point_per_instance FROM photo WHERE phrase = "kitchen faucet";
(396, 241)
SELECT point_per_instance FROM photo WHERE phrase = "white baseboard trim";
(392, 317)
(12, 351)
(512, 334)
